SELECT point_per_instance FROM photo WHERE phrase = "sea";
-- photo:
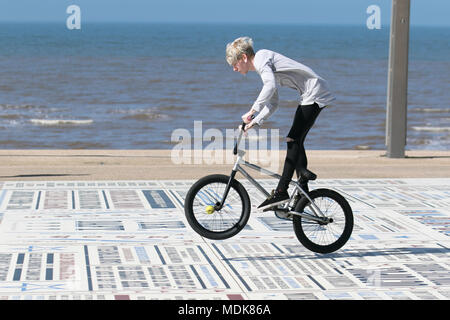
(138, 85)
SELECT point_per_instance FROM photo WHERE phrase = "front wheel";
(200, 207)
(324, 237)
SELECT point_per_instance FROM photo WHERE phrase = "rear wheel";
(324, 237)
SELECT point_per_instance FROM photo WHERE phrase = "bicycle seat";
(306, 175)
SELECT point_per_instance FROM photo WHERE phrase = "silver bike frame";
(319, 216)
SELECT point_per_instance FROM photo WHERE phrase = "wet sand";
(81, 165)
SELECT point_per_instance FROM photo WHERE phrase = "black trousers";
(304, 119)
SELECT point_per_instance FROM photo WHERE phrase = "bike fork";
(220, 204)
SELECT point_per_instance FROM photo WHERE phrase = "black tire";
(221, 224)
(334, 234)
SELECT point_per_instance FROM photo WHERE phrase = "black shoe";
(307, 175)
(276, 198)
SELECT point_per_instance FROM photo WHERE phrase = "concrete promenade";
(158, 164)
(110, 225)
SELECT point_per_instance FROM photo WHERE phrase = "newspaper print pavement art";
(130, 240)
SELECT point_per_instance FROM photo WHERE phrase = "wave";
(145, 116)
(140, 114)
(29, 109)
(21, 107)
(431, 110)
(432, 129)
(172, 107)
(59, 122)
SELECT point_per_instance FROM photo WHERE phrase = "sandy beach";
(159, 165)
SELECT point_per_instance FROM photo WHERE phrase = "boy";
(278, 70)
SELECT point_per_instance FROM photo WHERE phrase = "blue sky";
(423, 12)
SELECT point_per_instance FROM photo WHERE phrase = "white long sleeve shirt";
(277, 70)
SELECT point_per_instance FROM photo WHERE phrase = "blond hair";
(237, 48)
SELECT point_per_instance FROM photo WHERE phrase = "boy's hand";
(249, 126)
(247, 117)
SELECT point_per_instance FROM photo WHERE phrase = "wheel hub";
(326, 221)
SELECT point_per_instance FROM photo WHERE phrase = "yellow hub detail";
(209, 209)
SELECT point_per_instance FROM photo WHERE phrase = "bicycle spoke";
(224, 219)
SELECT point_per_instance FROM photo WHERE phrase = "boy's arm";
(268, 89)
(267, 101)
(265, 113)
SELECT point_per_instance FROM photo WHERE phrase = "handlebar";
(240, 133)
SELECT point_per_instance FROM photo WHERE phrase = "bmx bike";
(218, 207)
